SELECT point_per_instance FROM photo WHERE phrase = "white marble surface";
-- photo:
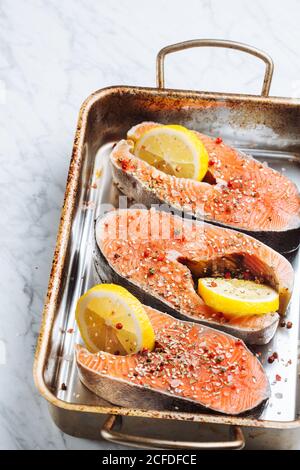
(53, 54)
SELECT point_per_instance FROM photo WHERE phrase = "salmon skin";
(191, 366)
(237, 192)
(159, 256)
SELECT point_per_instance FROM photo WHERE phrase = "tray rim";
(60, 250)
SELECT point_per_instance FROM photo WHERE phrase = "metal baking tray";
(265, 127)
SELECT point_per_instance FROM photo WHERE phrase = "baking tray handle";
(160, 76)
(108, 433)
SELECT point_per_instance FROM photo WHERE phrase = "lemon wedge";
(236, 297)
(113, 320)
(175, 150)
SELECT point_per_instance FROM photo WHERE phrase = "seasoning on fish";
(192, 365)
(191, 250)
(237, 191)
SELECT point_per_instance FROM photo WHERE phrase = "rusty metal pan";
(267, 128)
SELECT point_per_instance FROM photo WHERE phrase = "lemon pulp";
(175, 150)
(236, 297)
(113, 320)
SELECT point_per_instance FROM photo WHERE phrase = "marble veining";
(52, 56)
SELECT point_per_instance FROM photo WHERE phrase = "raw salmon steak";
(237, 192)
(191, 365)
(159, 257)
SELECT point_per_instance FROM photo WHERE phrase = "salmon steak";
(191, 366)
(159, 256)
(237, 191)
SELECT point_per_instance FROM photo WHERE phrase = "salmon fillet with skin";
(158, 256)
(191, 365)
(238, 191)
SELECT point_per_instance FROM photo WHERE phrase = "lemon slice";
(236, 297)
(113, 320)
(175, 150)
